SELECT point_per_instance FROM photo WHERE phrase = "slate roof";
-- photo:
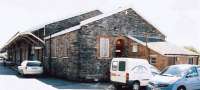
(165, 48)
(70, 22)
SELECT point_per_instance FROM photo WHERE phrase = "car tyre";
(135, 86)
(112, 87)
(181, 88)
(21, 74)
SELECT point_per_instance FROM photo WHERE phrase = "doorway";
(119, 49)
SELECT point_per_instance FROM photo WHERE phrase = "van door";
(141, 73)
(118, 72)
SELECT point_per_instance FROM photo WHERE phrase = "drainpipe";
(50, 59)
(147, 51)
(197, 60)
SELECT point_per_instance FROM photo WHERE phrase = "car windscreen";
(177, 71)
(33, 64)
(154, 70)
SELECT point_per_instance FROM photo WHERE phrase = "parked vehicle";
(177, 77)
(131, 72)
(30, 68)
(7, 62)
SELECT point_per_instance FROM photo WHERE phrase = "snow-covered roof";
(164, 48)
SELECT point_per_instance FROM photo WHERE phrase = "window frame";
(190, 74)
(119, 66)
(116, 66)
(151, 59)
(190, 60)
(103, 53)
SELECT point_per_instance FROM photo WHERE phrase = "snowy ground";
(9, 80)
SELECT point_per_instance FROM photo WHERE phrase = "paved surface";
(9, 80)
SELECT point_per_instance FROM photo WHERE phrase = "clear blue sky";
(177, 19)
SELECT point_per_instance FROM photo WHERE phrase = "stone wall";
(75, 55)
(118, 25)
(64, 56)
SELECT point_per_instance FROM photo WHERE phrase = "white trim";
(24, 33)
(64, 32)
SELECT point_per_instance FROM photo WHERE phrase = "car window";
(193, 72)
(198, 69)
(175, 71)
(122, 66)
(115, 66)
(33, 64)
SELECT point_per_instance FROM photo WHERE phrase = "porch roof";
(27, 36)
(165, 48)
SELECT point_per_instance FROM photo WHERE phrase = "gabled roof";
(93, 19)
(165, 48)
(26, 34)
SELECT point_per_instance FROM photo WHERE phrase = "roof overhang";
(26, 36)
(165, 48)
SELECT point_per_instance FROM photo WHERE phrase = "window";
(193, 72)
(122, 66)
(190, 61)
(152, 60)
(104, 47)
(174, 60)
(114, 66)
(135, 48)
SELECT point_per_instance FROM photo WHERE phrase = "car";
(177, 77)
(30, 68)
(7, 62)
(131, 72)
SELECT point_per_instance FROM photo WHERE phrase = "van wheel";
(112, 87)
(181, 88)
(136, 86)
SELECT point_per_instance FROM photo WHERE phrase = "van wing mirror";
(188, 76)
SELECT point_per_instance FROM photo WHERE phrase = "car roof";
(184, 65)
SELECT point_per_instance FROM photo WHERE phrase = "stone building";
(85, 50)
(82, 47)
(25, 46)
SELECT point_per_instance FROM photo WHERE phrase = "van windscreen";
(122, 66)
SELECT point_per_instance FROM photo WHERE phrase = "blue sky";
(177, 19)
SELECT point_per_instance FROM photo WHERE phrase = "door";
(141, 73)
(119, 49)
(193, 79)
(118, 71)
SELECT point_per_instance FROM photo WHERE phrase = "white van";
(131, 72)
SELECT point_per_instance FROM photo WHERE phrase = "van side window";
(115, 66)
(122, 66)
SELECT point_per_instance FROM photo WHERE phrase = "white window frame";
(192, 59)
(104, 47)
(135, 48)
(152, 60)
